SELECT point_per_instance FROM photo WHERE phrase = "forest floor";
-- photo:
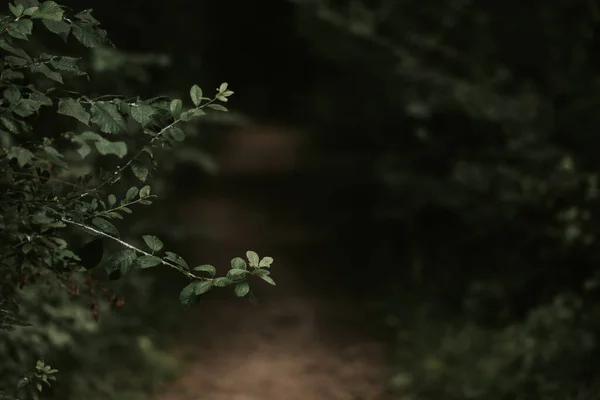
(296, 344)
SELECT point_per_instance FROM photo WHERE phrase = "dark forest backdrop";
(451, 163)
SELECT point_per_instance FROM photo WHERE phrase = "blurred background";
(424, 174)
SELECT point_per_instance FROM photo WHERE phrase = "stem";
(121, 168)
(131, 247)
(124, 205)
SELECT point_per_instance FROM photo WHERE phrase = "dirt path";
(298, 343)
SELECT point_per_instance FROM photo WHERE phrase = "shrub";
(73, 168)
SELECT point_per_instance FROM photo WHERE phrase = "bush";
(74, 167)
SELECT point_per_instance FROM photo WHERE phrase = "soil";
(298, 343)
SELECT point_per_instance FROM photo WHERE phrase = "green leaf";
(153, 242)
(106, 226)
(9, 124)
(187, 294)
(66, 64)
(142, 113)
(238, 263)
(131, 193)
(60, 28)
(47, 72)
(140, 171)
(73, 108)
(17, 10)
(48, 10)
(112, 200)
(261, 272)
(222, 282)
(267, 279)
(175, 108)
(206, 268)
(176, 134)
(196, 95)
(105, 147)
(217, 107)
(223, 87)
(30, 11)
(266, 262)
(145, 192)
(148, 261)
(121, 261)
(88, 35)
(107, 117)
(202, 287)
(176, 259)
(242, 289)
(20, 29)
(22, 155)
(12, 94)
(236, 273)
(252, 258)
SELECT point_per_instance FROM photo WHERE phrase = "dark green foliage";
(75, 166)
(482, 118)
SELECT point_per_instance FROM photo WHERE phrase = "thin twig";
(131, 247)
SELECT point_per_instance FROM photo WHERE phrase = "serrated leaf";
(202, 287)
(48, 10)
(142, 113)
(236, 273)
(105, 147)
(47, 72)
(217, 107)
(153, 242)
(60, 28)
(196, 95)
(206, 268)
(148, 261)
(14, 61)
(175, 108)
(266, 262)
(67, 64)
(253, 259)
(131, 193)
(121, 261)
(145, 192)
(107, 117)
(88, 35)
(105, 226)
(20, 29)
(238, 263)
(74, 109)
(222, 282)
(140, 171)
(242, 289)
